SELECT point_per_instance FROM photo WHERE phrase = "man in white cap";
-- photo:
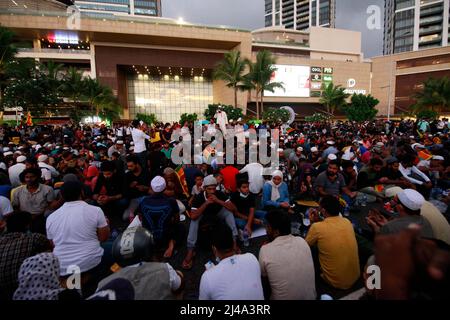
(330, 150)
(294, 158)
(117, 147)
(43, 162)
(160, 215)
(209, 205)
(15, 171)
(407, 204)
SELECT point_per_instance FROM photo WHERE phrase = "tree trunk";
(257, 105)
(262, 103)
(235, 97)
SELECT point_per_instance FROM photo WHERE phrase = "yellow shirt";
(338, 251)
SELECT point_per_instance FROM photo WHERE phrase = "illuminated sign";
(316, 77)
(316, 85)
(63, 37)
(327, 78)
(328, 70)
(316, 70)
(295, 81)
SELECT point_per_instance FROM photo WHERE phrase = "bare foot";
(169, 251)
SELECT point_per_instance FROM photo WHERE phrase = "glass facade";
(112, 7)
(168, 97)
(404, 31)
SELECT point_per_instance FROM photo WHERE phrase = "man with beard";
(331, 182)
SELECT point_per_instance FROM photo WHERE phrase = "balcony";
(45, 53)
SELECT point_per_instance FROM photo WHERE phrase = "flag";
(29, 120)
(289, 130)
(182, 178)
(424, 155)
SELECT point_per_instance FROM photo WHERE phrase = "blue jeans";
(259, 214)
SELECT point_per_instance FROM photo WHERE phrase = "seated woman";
(306, 181)
(275, 193)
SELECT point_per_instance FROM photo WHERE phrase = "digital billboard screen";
(295, 80)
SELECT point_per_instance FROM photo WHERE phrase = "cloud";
(249, 14)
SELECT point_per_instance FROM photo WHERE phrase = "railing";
(124, 18)
(47, 50)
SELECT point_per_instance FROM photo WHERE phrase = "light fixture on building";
(177, 78)
(166, 77)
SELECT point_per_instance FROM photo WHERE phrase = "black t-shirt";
(142, 179)
(391, 174)
(243, 204)
(213, 208)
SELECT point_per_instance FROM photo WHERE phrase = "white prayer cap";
(131, 143)
(119, 142)
(411, 199)
(330, 142)
(158, 184)
(21, 159)
(277, 173)
(417, 145)
(6, 149)
(392, 192)
(38, 146)
(332, 157)
(441, 158)
(42, 158)
(300, 149)
(314, 149)
(7, 153)
(17, 152)
(20, 148)
(209, 181)
(346, 156)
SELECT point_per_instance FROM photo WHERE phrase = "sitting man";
(210, 204)
(368, 179)
(236, 277)
(336, 244)
(407, 204)
(76, 231)
(332, 183)
(246, 216)
(133, 252)
(160, 215)
(16, 245)
(108, 190)
(286, 262)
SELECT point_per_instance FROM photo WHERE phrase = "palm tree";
(51, 74)
(434, 95)
(99, 97)
(333, 97)
(7, 49)
(73, 85)
(231, 70)
(259, 78)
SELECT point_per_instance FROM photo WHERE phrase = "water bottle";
(364, 200)
(346, 211)
(245, 238)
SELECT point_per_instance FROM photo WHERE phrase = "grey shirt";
(403, 223)
(330, 187)
(34, 203)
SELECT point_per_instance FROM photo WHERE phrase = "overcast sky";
(249, 14)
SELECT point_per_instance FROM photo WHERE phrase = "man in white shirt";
(413, 174)
(43, 163)
(15, 171)
(236, 277)
(255, 176)
(286, 263)
(139, 138)
(5, 207)
(76, 230)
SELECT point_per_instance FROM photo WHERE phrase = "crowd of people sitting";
(110, 206)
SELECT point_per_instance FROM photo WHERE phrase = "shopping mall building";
(164, 66)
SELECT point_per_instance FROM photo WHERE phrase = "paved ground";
(204, 255)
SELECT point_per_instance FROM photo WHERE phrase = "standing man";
(139, 137)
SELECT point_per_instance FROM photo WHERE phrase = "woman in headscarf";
(39, 279)
(275, 193)
(306, 179)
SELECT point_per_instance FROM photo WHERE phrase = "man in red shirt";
(229, 177)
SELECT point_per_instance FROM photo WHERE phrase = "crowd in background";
(110, 204)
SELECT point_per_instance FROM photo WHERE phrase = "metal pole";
(390, 91)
